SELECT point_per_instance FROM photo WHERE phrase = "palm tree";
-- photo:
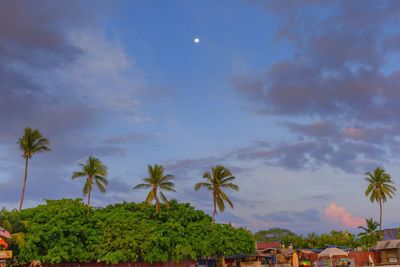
(370, 233)
(157, 181)
(380, 187)
(32, 142)
(95, 172)
(219, 179)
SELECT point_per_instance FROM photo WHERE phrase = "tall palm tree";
(380, 188)
(219, 179)
(370, 233)
(32, 142)
(157, 181)
(95, 172)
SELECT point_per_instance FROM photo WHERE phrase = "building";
(389, 251)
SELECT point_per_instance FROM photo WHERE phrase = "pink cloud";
(354, 133)
(340, 215)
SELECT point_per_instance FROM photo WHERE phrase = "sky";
(299, 98)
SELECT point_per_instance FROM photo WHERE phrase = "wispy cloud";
(336, 90)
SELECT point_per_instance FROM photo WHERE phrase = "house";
(389, 251)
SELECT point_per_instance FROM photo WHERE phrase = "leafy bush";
(68, 231)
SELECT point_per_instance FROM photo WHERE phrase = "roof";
(390, 234)
(287, 252)
(330, 252)
(265, 245)
(388, 244)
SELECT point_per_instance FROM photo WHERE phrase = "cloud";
(290, 216)
(336, 93)
(340, 215)
(58, 68)
(129, 138)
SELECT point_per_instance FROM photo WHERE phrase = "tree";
(62, 231)
(95, 172)
(32, 142)
(219, 179)
(380, 188)
(273, 234)
(370, 234)
(157, 181)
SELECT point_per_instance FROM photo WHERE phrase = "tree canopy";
(313, 240)
(65, 231)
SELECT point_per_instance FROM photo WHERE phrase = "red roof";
(265, 245)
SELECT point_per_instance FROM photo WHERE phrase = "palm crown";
(219, 179)
(95, 172)
(32, 142)
(369, 233)
(157, 181)
(380, 188)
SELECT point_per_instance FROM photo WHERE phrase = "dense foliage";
(68, 231)
(313, 240)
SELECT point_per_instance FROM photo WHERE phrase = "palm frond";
(163, 197)
(200, 185)
(101, 179)
(78, 175)
(231, 186)
(150, 197)
(100, 186)
(87, 187)
(168, 186)
(141, 186)
(220, 203)
(226, 198)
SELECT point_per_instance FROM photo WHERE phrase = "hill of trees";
(66, 230)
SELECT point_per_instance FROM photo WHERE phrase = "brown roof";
(265, 245)
(389, 244)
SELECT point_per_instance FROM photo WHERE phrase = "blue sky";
(298, 98)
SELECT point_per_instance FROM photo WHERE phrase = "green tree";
(32, 142)
(156, 182)
(273, 234)
(62, 231)
(370, 234)
(95, 172)
(220, 178)
(380, 188)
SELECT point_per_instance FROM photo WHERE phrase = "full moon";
(196, 40)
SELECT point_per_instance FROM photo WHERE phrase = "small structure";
(332, 252)
(268, 245)
(333, 257)
(389, 251)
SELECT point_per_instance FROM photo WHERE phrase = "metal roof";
(389, 244)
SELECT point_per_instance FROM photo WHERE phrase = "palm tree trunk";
(215, 209)
(380, 215)
(157, 200)
(88, 199)
(23, 185)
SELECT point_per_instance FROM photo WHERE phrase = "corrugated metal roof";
(389, 244)
(265, 245)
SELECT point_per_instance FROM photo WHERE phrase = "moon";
(196, 40)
